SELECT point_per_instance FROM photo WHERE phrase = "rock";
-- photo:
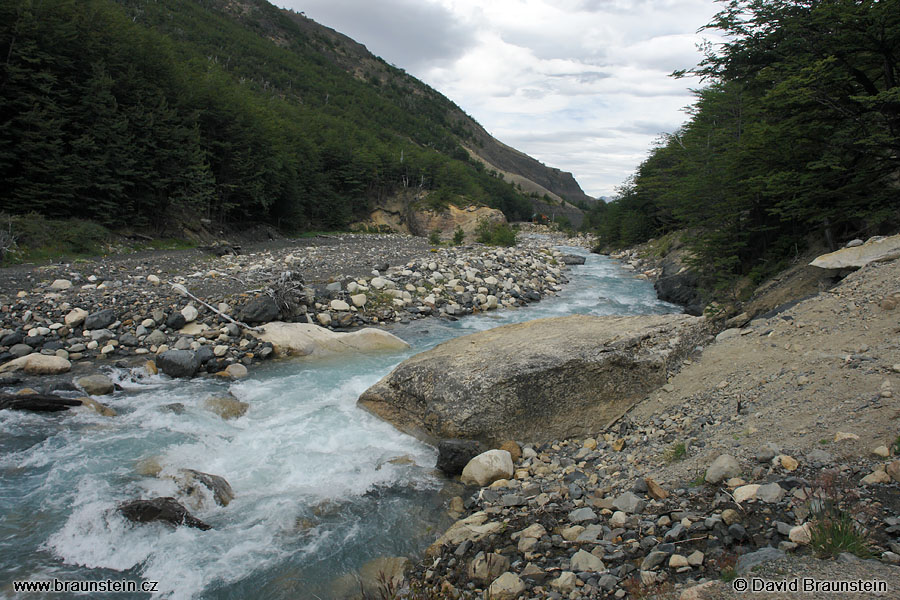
(682, 288)
(655, 490)
(745, 493)
(771, 493)
(454, 455)
(629, 503)
(176, 321)
(165, 510)
(37, 364)
(308, 340)
(190, 483)
(156, 338)
(227, 407)
(841, 436)
(473, 528)
(423, 221)
(724, 467)
(488, 467)
(800, 534)
(35, 402)
(695, 558)
(506, 587)
(572, 259)
(359, 300)
(236, 371)
(582, 515)
(100, 409)
(515, 451)
(881, 451)
(20, 350)
(96, 385)
(501, 384)
(677, 561)
(190, 313)
(787, 463)
(61, 284)
(585, 561)
(878, 249)
(75, 317)
(178, 363)
(728, 334)
(487, 567)
(565, 583)
(730, 516)
(746, 562)
(261, 309)
(877, 476)
(339, 305)
(893, 469)
(100, 319)
(653, 560)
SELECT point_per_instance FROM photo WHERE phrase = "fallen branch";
(180, 288)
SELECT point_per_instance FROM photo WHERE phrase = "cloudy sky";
(581, 85)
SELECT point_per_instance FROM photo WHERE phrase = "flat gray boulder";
(874, 250)
(534, 381)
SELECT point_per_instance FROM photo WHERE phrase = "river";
(320, 486)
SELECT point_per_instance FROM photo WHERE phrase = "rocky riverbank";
(769, 442)
(128, 309)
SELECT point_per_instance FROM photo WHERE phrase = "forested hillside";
(146, 112)
(795, 137)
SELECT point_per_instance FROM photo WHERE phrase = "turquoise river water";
(316, 495)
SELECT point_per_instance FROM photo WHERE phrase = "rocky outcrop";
(424, 221)
(538, 380)
(307, 340)
(854, 257)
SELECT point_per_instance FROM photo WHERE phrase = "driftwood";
(180, 288)
(37, 402)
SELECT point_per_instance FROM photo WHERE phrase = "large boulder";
(306, 339)
(876, 249)
(535, 381)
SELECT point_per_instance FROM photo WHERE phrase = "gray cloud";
(406, 33)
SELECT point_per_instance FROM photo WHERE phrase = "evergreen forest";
(794, 139)
(149, 112)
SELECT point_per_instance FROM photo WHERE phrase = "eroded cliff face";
(405, 215)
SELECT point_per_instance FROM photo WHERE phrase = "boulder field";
(501, 384)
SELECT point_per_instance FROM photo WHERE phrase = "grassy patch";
(835, 531)
(38, 239)
(675, 452)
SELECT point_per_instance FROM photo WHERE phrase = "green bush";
(458, 236)
(434, 238)
(495, 234)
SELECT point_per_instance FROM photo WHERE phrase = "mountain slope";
(161, 111)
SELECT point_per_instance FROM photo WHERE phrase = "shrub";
(496, 234)
(458, 236)
(434, 238)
